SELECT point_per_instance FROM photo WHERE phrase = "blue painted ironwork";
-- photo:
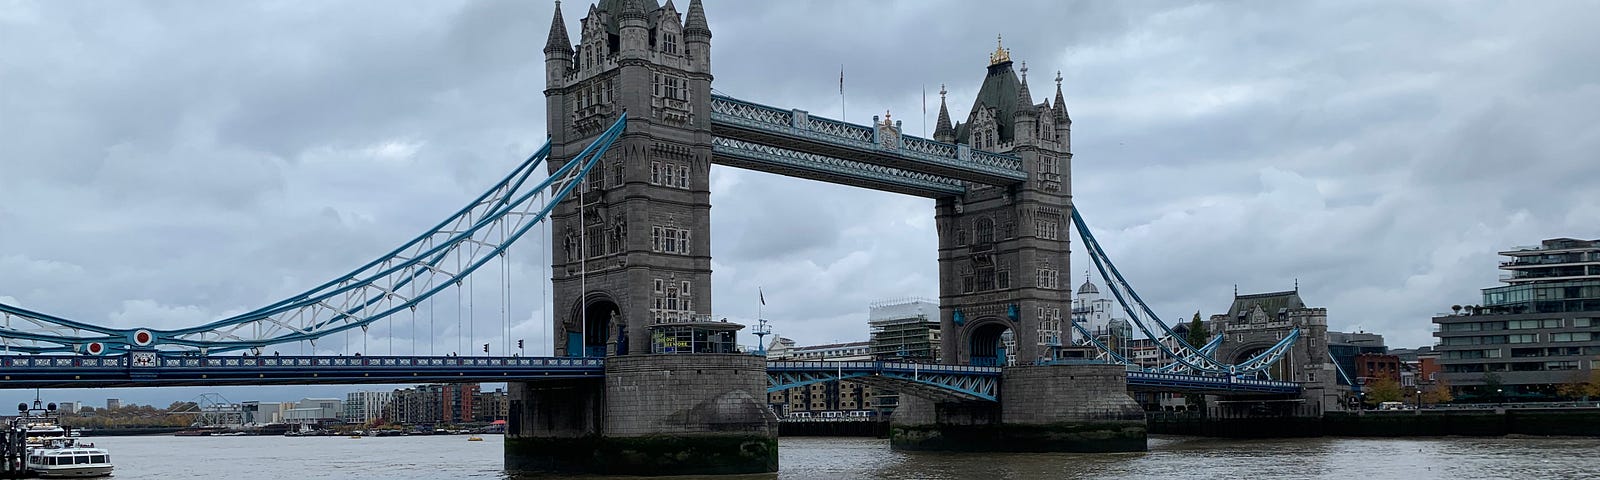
(963, 382)
(395, 282)
(799, 130)
(1187, 357)
(740, 153)
(176, 369)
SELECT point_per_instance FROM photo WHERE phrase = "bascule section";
(632, 264)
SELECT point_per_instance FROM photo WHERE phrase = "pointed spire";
(942, 131)
(558, 41)
(696, 24)
(1060, 108)
(1024, 97)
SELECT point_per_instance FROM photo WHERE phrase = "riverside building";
(1538, 331)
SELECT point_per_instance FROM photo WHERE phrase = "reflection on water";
(450, 457)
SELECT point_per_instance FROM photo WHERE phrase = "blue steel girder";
(149, 369)
(798, 130)
(782, 161)
(942, 382)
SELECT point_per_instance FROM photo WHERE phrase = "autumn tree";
(1582, 386)
(1383, 389)
(1440, 393)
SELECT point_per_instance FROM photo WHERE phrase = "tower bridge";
(643, 380)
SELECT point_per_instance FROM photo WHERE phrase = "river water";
(451, 457)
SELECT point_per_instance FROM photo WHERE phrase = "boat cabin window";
(97, 459)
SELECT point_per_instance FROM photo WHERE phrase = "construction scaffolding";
(905, 329)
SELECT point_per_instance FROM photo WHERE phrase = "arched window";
(985, 230)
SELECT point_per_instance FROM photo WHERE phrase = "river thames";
(450, 457)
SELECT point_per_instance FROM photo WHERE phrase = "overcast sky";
(167, 163)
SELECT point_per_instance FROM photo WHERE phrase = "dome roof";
(1088, 288)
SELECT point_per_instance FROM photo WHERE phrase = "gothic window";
(1003, 278)
(966, 284)
(597, 182)
(683, 242)
(655, 173)
(1046, 229)
(1047, 164)
(988, 139)
(985, 228)
(596, 240)
(672, 299)
(655, 243)
(985, 279)
(671, 245)
(659, 285)
(1048, 278)
(616, 173)
(669, 43)
(684, 287)
(683, 176)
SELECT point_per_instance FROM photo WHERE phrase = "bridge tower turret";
(1004, 297)
(631, 268)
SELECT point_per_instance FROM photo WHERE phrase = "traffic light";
(485, 348)
(519, 343)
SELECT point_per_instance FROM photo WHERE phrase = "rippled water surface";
(449, 457)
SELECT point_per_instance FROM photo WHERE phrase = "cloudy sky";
(170, 162)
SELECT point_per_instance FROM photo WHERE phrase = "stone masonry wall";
(687, 394)
(1048, 394)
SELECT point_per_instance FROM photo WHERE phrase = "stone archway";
(598, 336)
(990, 343)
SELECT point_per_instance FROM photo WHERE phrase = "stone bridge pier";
(1042, 408)
(696, 414)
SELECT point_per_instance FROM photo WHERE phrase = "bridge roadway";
(150, 369)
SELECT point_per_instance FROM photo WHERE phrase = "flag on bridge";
(761, 295)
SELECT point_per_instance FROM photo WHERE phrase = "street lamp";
(1499, 396)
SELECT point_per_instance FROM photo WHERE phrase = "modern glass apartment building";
(1538, 331)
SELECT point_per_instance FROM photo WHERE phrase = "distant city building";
(113, 403)
(1373, 366)
(363, 407)
(1540, 330)
(1345, 346)
(68, 408)
(315, 410)
(817, 398)
(1102, 318)
(904, 330)
(491, 406)
(263, 413)
(448, 403)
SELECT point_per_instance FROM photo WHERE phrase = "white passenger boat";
(51, 451)
(65, 457)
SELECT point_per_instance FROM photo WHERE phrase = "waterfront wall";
(1413, 423)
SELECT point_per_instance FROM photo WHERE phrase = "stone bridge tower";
(632, 264)
(1003, 251)
(1256, 322)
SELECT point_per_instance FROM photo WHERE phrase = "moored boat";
(65, 457)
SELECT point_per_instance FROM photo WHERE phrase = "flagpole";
(841, 93)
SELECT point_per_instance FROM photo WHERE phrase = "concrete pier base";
(1053, 408)
(695, 414)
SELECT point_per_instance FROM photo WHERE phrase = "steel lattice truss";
(950, 382)
(1184, 358)
(396, 282)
